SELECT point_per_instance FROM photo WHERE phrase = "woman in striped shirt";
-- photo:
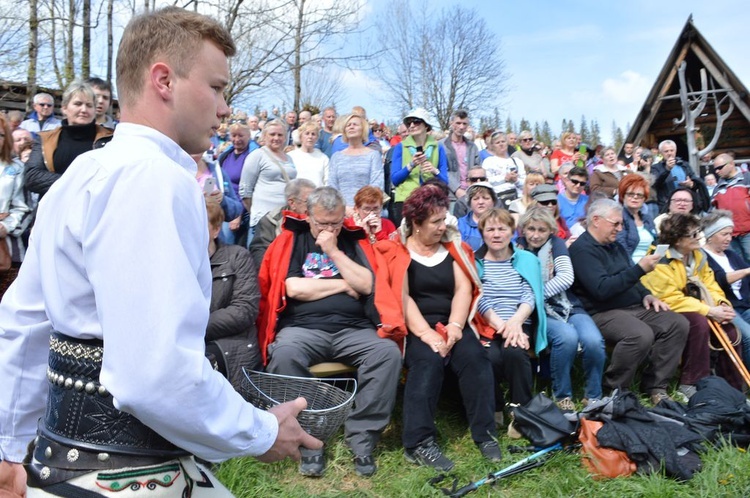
(567, 321)
(512, 291)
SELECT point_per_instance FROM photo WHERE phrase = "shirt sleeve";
(564, 275)
(376, 170)
(250, 173)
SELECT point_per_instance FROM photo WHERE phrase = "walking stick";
(727, 345)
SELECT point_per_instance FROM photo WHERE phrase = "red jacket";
(382, 306)
(396, 256)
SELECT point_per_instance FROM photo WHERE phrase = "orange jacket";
(382, 306)
(395, 256)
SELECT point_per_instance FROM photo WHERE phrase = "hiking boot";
(490, 450)
(312, 463)
(364, 465)
(428, 453)
(687, 390)
(658, 395)
(566, 405)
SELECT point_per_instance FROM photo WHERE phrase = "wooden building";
(659, 119)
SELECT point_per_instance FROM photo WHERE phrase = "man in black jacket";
(671, 172)
(636, 323)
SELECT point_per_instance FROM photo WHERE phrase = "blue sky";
(596, 58)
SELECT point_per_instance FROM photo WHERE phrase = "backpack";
(602, 462)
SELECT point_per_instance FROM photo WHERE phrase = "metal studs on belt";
(103, 391)
(72, 455)
(48, 452)
(90, 387)
(45, 472)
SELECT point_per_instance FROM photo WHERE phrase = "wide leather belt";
(80, 413)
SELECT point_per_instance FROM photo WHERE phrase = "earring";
(417, 230)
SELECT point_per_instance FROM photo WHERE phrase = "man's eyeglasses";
(323, 226)
(41, 104)
(477, 179)
(616, 224)
(635, 195)
(578, 182)
(413, 121)
(717, 167)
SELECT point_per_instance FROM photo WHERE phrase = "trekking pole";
(525, 464)
(727, 345)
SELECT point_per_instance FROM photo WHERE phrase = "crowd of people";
(424, 250)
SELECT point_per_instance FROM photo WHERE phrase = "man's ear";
(161, 77)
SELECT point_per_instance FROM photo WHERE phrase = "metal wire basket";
(328, 400)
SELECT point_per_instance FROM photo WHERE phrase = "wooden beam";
(721, 80)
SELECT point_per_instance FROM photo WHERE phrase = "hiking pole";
(727, 345)
(525, 464)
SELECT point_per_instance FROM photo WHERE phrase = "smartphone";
(661, 249)
(209, 185)
(420, 149)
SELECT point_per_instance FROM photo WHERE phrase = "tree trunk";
(297, 69)
(33, 51)
(110, 40)
(86, 48)
(69, 52)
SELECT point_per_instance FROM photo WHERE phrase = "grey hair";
(273, 122)
(713, 216)
(537, 213)
(78, 87)
(39, 96)
(526, 134)
(602, 208)
(294, 187)
(664, 143)
(328, 198)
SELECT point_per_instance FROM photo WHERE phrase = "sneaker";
(566, 405)
(428, 453)
(364, 465)
(490, 450)
(312, 463)
(658, 395)
(687, 390)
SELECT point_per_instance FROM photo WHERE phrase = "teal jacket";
(527, 265)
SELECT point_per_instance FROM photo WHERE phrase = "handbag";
(602, 462)
(542, 422)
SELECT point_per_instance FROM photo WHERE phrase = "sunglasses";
(477, 179)
(527, 140)
(413, 121)
(551, 202)
(717, 167)
(577, 182)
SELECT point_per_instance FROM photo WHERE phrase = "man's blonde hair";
(172, 35)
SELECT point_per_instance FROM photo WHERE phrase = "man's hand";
(12, 480)
(327, 241)
(669, 163)
(651, 302)
(291, 436)
(235, 223)
(648, 262)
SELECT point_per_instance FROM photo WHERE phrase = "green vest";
(416, 178)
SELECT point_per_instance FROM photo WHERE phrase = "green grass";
(726, 472)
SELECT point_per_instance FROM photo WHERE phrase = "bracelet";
(460, 327)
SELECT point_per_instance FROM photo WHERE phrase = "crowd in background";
(489, 253)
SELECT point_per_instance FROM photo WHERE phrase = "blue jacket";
(527, 265)
(628, 237)
(469, 230)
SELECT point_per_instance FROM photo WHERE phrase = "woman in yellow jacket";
(684, 281)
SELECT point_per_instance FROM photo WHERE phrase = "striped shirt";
(504, 290)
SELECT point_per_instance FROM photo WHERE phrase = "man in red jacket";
(731, 193)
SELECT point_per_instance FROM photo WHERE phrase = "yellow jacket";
(669, 279)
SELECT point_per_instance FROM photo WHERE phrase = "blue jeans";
(564, 338)
(742, 323)
(741, 245)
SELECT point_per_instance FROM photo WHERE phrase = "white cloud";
(629, 87)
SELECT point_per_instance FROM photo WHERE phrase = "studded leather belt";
(80, 413)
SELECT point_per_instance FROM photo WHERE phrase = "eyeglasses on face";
(635, 195)
(323, 226)
(474, 179)
(44, 104)
(616, 224)
(718, 167)
(413, 121)
(682, 201)
(527, 140)
(370, 209)
(578, 182)
(238, 121)
(551, 202)
(694, 235)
